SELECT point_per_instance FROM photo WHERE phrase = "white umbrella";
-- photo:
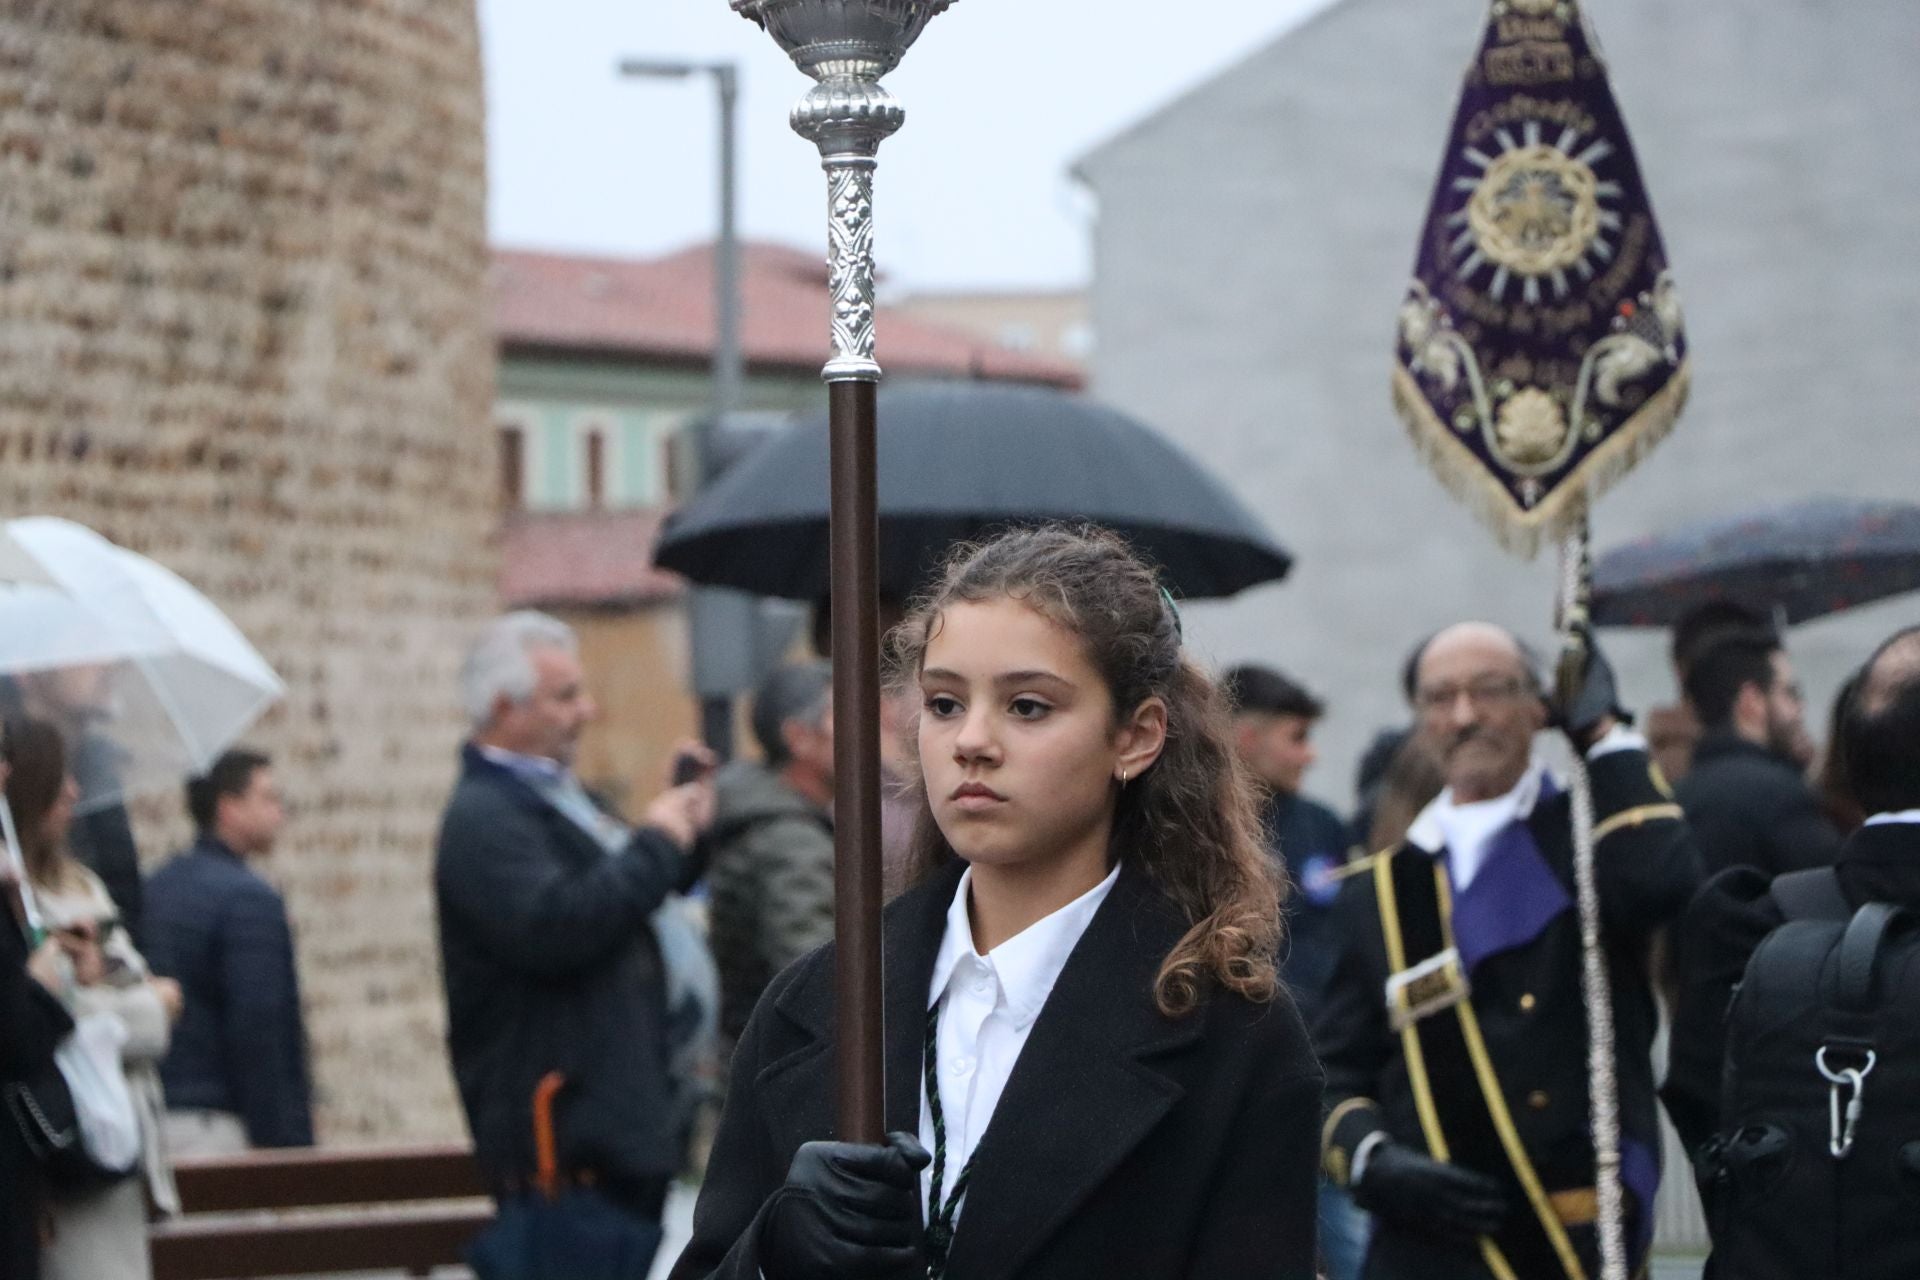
(166, 680)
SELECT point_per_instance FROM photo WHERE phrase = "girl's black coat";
(1126, 1144)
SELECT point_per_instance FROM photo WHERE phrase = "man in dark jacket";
(1273, 721)
(1734, 912)
(771, 871)
(1746, 799)
(1454, 1034)
(548, 956)
(236, 1073)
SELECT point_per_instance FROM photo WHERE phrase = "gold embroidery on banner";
(1535, 210)
(1530, 428)
(1497, 1108)
(1530, 62)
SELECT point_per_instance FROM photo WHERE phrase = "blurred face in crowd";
(1477, 709)
(1277, 749)
(249, 823)
(1778, 713)
(810, 746)
(1018, 740)
(59, 819)
(70, 694)
(549, 722)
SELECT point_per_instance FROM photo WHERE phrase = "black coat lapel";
(1084, 1092)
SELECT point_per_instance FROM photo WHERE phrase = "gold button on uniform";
(1538, 1100)
(1527, 1002)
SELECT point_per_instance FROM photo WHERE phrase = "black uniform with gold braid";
(1459, 1028)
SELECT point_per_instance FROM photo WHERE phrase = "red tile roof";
(583, 558)
(662, 309)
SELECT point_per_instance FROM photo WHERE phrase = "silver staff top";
(846, 46)
(854, 39)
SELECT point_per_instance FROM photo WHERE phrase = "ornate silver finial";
(846, 46)
(862, 39)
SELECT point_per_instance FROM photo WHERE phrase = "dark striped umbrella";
(1801, 561)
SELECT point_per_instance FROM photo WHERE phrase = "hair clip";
(1179, 632)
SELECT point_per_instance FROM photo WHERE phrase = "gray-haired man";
(548, 955)
(772, 872)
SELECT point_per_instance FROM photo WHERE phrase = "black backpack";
(1815, 1172)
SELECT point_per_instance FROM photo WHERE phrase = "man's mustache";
(1463, 737)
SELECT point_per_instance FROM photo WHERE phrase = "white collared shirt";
(1466, 831)
(988, 1005)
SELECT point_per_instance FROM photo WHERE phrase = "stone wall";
(244, 329)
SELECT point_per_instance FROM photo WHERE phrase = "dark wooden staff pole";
(855, 589)
(847, 47)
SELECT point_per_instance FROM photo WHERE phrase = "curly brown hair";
(1192, 817)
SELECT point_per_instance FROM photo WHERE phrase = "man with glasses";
(1745, 796)
(1454, 1035)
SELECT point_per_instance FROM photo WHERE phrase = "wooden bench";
(313, 1211)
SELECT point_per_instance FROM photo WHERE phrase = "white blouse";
(988, 1005)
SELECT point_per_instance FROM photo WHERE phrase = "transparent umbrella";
(150, 679)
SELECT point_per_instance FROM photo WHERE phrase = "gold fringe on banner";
(1520, 530)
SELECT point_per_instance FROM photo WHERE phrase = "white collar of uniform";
(1027, 964)
(1429, 832)
(1888, 819)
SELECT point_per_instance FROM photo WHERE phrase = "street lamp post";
(717, 615)
(847, 46)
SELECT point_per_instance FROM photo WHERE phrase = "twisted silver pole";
(1603, 1084)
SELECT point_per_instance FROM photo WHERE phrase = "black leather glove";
(1595, 697)
(1423, 1194)
(848, 1211)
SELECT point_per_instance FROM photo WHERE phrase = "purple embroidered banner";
(1541, 349)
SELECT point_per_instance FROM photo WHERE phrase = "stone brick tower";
(244, 329)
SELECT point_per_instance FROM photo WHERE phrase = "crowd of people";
(196, 1010)
(1079, 803)
(1151, 1009)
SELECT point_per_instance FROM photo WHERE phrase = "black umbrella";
(1804, 560)
(960, 459)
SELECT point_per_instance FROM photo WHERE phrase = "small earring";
(1123, 777)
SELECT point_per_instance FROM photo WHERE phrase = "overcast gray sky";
(1001, 96)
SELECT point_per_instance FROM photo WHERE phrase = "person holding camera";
(32, 1024)
(550, 956)
(97, 1233)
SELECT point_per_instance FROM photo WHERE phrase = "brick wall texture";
(243, 329)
